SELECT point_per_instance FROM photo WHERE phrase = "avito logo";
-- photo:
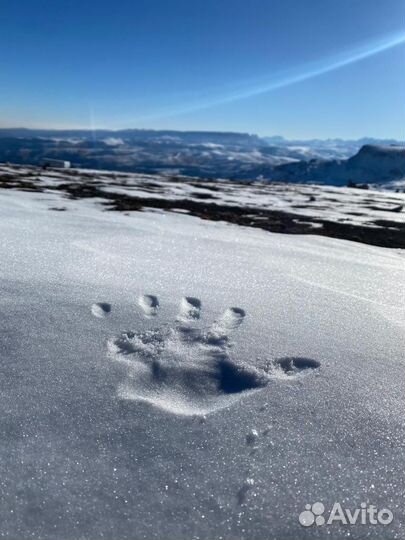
(365, 515)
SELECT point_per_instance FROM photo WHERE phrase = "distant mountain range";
(329, 148)
(210, 154)
(373, 164)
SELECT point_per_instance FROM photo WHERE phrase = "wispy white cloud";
(282, 80)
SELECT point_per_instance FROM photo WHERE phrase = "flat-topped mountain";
(373, 164)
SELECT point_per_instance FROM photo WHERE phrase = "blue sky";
(264, 66)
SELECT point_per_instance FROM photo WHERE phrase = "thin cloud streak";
(305, 73)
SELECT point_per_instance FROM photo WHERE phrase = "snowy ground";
(173, 378)
(367, 216)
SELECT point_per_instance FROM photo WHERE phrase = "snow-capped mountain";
(373, 164)
(327, 148)
(235, 156)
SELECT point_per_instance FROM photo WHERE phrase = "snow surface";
(171, 378)
(334, 204)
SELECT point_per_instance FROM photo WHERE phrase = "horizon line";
(224, 132)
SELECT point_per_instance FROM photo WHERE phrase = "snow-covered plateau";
(169, 377)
